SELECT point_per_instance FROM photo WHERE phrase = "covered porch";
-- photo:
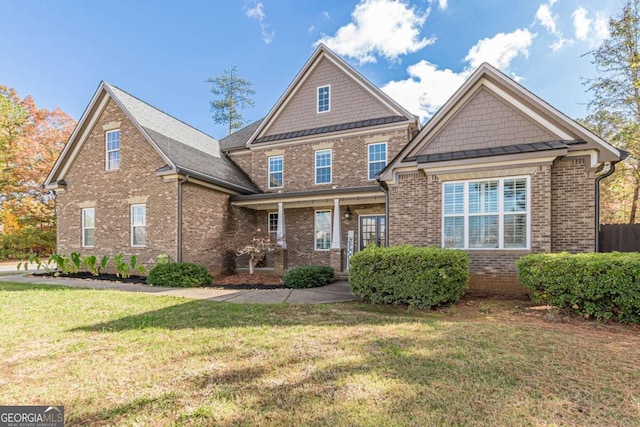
(322, 227)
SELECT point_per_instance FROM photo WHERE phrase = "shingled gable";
(551, 125)
(390, 111)
(185, 149)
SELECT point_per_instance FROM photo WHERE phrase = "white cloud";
(255, 10)
(426, 89)
(326, 14)
(429, 87)
(581, 23)
(442, 4)
(387, 28)
(500, 49)
(546, 18)
(549, 21)
(601, 26)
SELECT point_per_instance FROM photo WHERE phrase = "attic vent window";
(323, 99)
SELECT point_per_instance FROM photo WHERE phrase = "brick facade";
(349, 161)
(111, 193)
(562, 219)
(573, 205)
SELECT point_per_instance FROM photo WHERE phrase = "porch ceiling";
(317, 198)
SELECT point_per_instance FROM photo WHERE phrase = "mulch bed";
(136, 280)
(234, 281)
(249, 281)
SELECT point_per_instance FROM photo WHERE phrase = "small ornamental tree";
(255, 244)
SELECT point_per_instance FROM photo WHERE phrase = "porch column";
(335, 257)
(336, 240)
(280, 227)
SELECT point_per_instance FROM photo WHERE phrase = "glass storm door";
(372, 230)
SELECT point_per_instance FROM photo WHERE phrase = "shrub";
(310, 276)
(599, 285)
(179, 274)
(420, 277)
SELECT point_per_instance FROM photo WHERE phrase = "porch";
(321, 227)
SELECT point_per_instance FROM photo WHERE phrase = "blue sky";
(419, 51)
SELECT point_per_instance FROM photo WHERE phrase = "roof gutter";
(609, 169)
(180, 184)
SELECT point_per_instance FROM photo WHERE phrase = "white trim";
(84, 245)
(107, 151)
(500, 213)
(386, 158)
(315, 230)
(142, 225)
(269, 171)
(318, 99)
(315, 160)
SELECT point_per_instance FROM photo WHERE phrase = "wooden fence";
(620, 237)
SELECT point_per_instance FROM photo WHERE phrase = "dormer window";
(323, 99)
(113, 150)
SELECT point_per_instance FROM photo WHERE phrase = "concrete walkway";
(335, 292)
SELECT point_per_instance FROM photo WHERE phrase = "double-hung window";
(88, 227)
(138, 225)
(113, 150)
(276, 169)
(322, 230)
(273, 223)
(486, 214)
(377, 158)
(323, 167)
(324, 103)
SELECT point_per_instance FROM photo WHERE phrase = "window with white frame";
(276, 169)
(113, 150)
(324, 99)
(486, 214)
(273, 223)
(322, 230)
(138, 225)
(88, 227)
(323, 167)
(377, 158)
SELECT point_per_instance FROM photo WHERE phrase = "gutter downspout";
(186, 178)
(385, 189)
(608, 170)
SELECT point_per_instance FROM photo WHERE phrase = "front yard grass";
(116, 358)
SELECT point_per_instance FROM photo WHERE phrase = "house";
(336, 165)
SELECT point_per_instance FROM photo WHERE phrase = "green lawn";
(115, 358)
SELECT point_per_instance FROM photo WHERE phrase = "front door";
(372, 230)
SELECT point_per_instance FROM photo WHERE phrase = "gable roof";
(520, 98)
(185, 149)
(323, 52)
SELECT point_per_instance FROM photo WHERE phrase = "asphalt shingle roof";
(189, 149)
(239, 138)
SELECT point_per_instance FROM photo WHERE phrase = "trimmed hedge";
(421, 277)
(599, 285)
(179, 274)
(310, 276)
